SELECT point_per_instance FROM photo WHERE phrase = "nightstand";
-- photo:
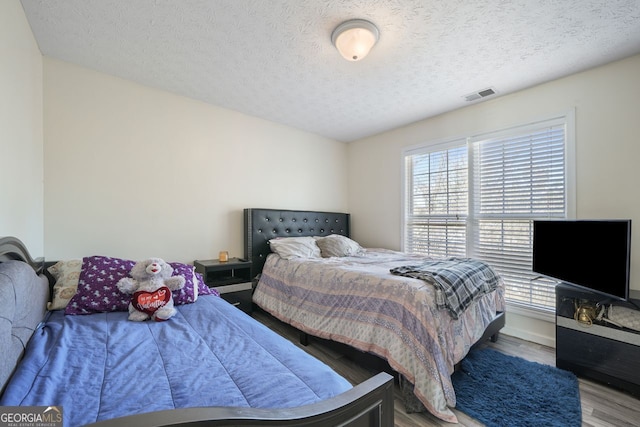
(232, 279)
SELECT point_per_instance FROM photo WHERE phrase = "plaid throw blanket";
(460, 280)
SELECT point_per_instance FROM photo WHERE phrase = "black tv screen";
(594, 254)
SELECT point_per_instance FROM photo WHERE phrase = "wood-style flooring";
(602, 406)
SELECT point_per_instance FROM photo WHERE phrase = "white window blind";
(480, 199)
(518, 176)
(437, 202)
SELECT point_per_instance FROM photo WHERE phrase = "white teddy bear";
(151, 284)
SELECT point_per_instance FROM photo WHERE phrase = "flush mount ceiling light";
(355, 38)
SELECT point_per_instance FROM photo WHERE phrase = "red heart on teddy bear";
(149, 302)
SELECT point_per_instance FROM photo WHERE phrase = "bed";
(351, 297)
(210, 364)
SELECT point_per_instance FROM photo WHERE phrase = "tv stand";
(600, 351)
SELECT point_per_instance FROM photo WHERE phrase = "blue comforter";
(102, 366)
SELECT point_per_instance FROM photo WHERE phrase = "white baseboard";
(528, 335)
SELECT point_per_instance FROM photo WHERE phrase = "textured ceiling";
(274, 58)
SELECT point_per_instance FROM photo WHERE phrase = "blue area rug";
(502, 390)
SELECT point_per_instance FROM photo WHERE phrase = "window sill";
(533, 313)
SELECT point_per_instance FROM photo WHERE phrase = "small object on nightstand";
(223, 256)
(231, 278)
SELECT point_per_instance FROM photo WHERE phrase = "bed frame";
(12, 249)
(367, 404)
(264, 224)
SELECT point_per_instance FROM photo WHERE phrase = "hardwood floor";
(602, 406)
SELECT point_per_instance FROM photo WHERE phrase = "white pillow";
(295, 247)
(195, 285)
(336, 245)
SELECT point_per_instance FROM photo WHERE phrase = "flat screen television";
(593, 254)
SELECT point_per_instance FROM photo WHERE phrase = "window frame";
(439, 146)
(566, 118)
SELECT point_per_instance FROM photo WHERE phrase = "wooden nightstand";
(232, 279)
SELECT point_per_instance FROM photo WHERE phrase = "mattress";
(102, 366)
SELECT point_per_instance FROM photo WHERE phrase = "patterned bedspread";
(356, 301)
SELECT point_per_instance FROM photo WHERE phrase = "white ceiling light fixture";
(355, 38)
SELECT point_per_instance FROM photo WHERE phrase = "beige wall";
(21, 186)
(607, 108)
(131, 171)
(136, 172)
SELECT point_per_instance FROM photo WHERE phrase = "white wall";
(607, 105)
(21, 151)
(134, 172)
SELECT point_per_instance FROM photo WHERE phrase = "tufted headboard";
(261, 225)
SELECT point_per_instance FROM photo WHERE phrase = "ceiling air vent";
(480, 94)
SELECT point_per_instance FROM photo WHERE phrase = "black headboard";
(261, 225)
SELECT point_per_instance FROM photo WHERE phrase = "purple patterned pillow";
(203, 289)
(97, 291)
(189, 293)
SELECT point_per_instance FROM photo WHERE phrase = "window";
(478, 197)
(437, 201)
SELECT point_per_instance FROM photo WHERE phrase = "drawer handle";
(236, 303)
